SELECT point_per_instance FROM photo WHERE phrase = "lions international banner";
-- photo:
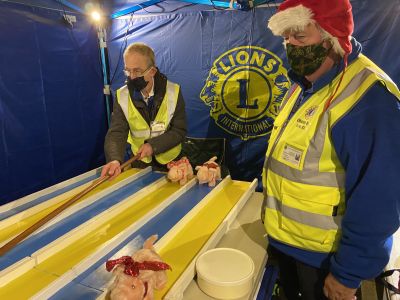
(244, 89)
(232, 70)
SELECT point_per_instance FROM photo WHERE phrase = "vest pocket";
(307, 220)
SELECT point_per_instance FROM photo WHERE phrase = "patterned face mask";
(305, 60)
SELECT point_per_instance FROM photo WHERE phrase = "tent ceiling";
(117, 8)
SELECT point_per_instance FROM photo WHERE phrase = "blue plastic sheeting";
(70, 5)
(377, 26)
(34, 243)
(46, 197)
(187, 44)
(107, 8)
(52, 112)
(96, 277)
(268, 283)
(166, 7)
(134, 8)
(119, 6)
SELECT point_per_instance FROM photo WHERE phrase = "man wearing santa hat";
(331, 191)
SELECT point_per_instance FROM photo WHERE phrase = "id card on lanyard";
(157, 128)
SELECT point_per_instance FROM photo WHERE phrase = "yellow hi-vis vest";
(304, 182)
(141, 131)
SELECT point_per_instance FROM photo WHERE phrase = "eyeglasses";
(136, 72)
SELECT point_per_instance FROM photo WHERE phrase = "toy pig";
(126, 287)
(209, 172)
(180, 170)
(138, 276)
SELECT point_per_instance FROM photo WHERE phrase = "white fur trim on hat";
(335, 42)
(295, 18)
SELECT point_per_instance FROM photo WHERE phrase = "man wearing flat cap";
(331, 191)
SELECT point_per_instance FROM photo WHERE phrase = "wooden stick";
(13, 242)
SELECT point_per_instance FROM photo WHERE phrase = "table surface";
(246, 234)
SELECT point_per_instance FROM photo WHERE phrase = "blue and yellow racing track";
(66, 258)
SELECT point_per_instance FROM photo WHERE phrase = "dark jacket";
(116, 138)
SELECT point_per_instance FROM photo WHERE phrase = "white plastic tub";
(225, 273)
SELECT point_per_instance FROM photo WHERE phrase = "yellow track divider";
(187, 241)
(31, 282)
(8, 232)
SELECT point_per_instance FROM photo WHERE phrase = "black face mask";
(136, 84)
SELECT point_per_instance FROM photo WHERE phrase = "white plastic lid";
(225, 266)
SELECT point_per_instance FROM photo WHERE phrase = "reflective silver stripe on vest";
(307, 176)
(384, 76)
(291, 91)
(172, 100)
(303, 217)
(310, 173)
(123, 100)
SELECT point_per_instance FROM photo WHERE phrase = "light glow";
(96, 16)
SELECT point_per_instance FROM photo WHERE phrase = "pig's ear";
(148, 244)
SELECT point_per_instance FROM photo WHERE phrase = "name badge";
(292, 155)
(157, 128)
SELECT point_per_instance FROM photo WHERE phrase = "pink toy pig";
(209, 172)
(126, 287)
(137, 276)
(180, 170)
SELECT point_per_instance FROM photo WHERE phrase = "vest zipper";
(294, 109)
(264, 203)
(276, 141)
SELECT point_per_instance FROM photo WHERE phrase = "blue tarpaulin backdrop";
(52, 110)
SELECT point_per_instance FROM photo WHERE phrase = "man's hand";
(113, 169)
(145, 150)
(334, 290)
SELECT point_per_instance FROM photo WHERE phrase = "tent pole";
(102, 35)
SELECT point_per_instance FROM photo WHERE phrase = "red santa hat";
(334, 16)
